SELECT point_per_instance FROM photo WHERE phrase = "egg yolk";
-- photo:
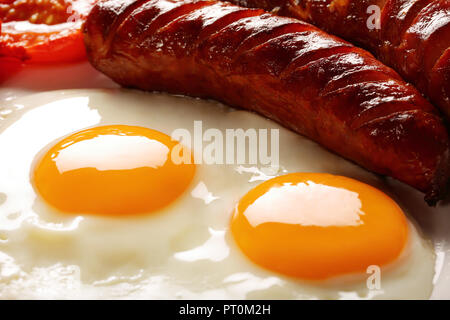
(315, 226)
(112, 170)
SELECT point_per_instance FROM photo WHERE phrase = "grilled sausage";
(411, 36)
(290, 71)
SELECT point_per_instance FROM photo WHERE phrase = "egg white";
(185, 251)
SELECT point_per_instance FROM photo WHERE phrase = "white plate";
(434, 222)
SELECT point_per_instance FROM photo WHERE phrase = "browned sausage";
(413, 36)
(313, 83)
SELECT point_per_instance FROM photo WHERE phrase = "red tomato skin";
(60, 50)
(8, 67)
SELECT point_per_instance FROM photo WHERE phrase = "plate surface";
(434, 222)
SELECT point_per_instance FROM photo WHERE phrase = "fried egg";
(112, 170)
(93, 206)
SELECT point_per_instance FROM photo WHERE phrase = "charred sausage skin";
(413, 36)
(315, 84)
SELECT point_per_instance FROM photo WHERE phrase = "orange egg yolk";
(315, 226)
(112, 170)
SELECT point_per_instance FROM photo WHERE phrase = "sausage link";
(413, 36)
(315, 84)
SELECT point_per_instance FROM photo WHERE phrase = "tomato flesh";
(48, 12)
(48, 30)
(10, 60)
